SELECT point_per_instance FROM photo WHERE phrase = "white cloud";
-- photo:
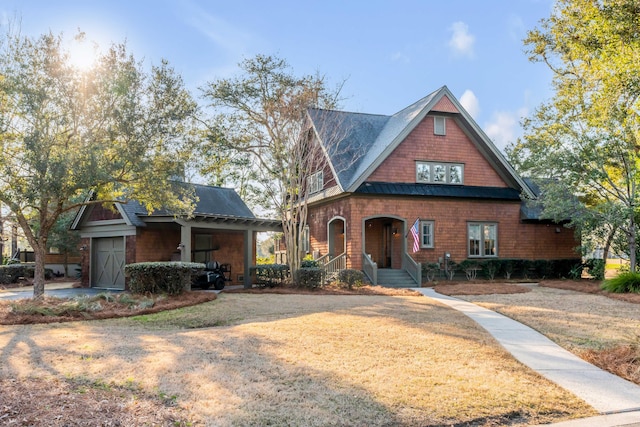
(470, 103)
(504, 127)
(461, 41)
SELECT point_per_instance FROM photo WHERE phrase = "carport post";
(248, 257)
(185, 243)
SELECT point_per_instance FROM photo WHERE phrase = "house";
(430, 165)
(222, 228)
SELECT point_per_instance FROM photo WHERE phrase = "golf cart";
(215, 275)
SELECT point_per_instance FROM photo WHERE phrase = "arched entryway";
(384, 240)
(336, 231)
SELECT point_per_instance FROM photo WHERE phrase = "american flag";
(415, 232)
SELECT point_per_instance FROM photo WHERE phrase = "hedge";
(351, 277)
(270, 274)
(161, 277)
(310, 277)
(507, 268)
(12, 272)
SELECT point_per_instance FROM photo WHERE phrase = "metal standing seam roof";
(439, 190)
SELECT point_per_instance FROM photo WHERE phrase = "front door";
(108, 263)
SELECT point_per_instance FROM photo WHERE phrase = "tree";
(263, 113)
(63, 238)
(584, 141)
(115, 130)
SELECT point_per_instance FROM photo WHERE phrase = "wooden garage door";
(108, 263)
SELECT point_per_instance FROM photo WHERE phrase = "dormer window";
(316, 182)
(439, 125)
(439, 173)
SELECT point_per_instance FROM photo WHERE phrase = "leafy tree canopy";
(261, 116)
(584, 141)
(114, 129)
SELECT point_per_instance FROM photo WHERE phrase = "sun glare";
(82, 54)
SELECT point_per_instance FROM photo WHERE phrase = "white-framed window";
(483, 239)
(426, 234)
(440, 172)
(305, 241)
(316, 182)
(439, 125)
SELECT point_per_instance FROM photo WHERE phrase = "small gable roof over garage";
(215, 203)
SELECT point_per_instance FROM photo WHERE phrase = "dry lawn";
(268, 359)
(600, 327)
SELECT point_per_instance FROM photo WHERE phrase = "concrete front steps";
(392, 278)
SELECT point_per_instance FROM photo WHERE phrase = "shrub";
(351, 277)
(309, 277)
(270, 274)
(470, 269)
(623, 283)
(161, 277)
(575, 272)
(595, 268)
(309, 262)
(429, 271)
(450, 268)
(491, 267)
(543, 268)
(508, 267)
(10, 273)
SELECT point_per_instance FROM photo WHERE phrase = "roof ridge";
(348, 112)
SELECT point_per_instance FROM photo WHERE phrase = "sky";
(387, 54)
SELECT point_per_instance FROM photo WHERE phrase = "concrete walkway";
(617, 399)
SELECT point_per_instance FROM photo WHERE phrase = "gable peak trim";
(445, 105)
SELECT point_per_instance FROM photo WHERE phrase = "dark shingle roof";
(439, 190)
(357, 134)
(212, 201)
(369, 139)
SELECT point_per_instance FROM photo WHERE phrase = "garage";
(108, 263)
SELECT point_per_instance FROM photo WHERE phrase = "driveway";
(60, 290)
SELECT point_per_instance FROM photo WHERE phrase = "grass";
(598, 327)
(300, 360)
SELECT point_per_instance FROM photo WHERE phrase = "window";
(426, 234)
(439, 172)
(483, 239)
(439, 125)
(316, 182)
(455, 174)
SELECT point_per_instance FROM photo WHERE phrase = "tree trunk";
(632, 243)
(607, 245)
(38, 276)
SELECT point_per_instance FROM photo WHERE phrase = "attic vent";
(439, 125)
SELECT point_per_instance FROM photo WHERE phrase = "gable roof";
(370, 139)
(212, 202)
